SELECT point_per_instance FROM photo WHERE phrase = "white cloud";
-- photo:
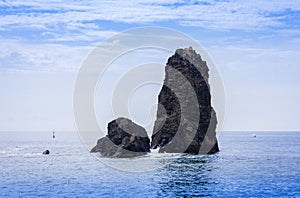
(245, 15)
(15, 55)
(77, 21)
(254, 59)
(85, 35)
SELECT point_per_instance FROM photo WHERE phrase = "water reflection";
(188, 176)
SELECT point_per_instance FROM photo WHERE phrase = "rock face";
(124, 139)
(185, 120)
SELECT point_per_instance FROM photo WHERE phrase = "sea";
(263, 165)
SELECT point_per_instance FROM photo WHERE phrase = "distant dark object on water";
(53, 134)
(46, 152)
(254, 135)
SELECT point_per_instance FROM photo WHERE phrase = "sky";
(254, 44)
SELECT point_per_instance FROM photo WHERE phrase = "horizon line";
(42, 131)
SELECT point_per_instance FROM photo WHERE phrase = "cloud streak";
(19, 56)
(218, 15)
(39, 34)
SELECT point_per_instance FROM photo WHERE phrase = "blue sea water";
(265, 166)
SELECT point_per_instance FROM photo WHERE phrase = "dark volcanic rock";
(186, 121)
(46, 152)
(124, 139)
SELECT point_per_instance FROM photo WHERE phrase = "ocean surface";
(267, 165)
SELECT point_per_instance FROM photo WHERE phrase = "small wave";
(10, 154)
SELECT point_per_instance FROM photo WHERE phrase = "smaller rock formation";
(124, 139)
(46, 152)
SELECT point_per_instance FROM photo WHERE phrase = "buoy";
(254, 135)
(53, 135)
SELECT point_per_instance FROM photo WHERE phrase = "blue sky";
(255, 45)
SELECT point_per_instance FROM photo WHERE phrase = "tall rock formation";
(185, 120)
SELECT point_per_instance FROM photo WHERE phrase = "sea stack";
(124, 139)
(185, 121)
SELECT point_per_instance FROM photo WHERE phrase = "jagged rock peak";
(191, 55)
